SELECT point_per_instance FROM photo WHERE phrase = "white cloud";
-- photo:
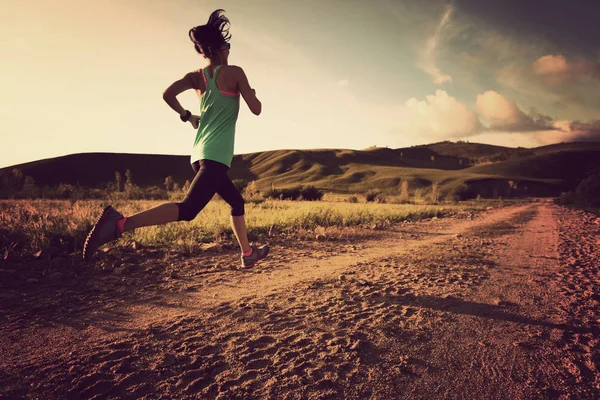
(504, 115)
(556, 69)
(550, 64)
(561, 131)
(427, 56)
(342, 83)
(438, 117)
(569, 131)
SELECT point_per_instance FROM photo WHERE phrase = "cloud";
(504, 115)
(427, 61)
(549, 65)
(342, 83)
(439, 116)
(562, 131)
(556, 69)
(442, 117)
(571, 131)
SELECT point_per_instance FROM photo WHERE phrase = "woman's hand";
(195, 121)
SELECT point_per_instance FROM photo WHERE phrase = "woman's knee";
(237, 207)
(187, 212)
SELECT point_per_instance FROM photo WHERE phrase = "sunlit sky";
(88, 75)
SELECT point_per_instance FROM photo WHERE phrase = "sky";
(88, 75)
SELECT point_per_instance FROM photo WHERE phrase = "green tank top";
(218, 114)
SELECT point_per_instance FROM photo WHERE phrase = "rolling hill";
(543, 171)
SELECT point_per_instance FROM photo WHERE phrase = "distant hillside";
(93, 169)
(466, 150)
(543, 171)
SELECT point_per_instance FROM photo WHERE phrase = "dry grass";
(27, 226)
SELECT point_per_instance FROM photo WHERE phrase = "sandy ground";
(501, 305)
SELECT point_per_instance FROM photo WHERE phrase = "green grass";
(27, 226)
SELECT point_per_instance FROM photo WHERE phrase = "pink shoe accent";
(121, 225)
(249, 253)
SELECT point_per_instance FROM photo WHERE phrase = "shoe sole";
(91, 235)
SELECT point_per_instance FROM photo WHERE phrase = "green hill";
(544, 171)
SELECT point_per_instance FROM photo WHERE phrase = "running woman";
(219, 85)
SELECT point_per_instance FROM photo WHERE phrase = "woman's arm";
(177, 87)
(248, 93)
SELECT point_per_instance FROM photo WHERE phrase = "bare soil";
(502, 304)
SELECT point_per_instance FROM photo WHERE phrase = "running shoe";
(258, 253)
(104, 231)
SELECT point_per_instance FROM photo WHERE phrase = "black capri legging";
(211, 177)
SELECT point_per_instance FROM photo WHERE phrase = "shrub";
(588, 191)
(65, 191)
(435, 192)
(155, 193)
(404, 195)
(565, 198)
(371, 195)
(169, 182)
(461, 193)
(352, 199)
(418, 194)
(375, 196)
(311, 193)
(251, 190)
(284, 194)
(118, 181)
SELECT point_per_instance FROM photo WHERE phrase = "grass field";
(27, 226)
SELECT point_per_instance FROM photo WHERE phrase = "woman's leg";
(238, 224)
(230, 194)
(162, 214)
(201, 190)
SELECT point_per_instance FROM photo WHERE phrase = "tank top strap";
(207, 77)
(216, 72)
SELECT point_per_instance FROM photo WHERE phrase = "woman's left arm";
(177, 87)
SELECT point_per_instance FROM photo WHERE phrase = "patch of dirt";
(499, 305)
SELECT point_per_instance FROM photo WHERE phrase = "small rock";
(211, 247)
(31, 280)
(135, 245)
(320, 237)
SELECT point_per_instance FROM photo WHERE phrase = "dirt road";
(500, 305)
